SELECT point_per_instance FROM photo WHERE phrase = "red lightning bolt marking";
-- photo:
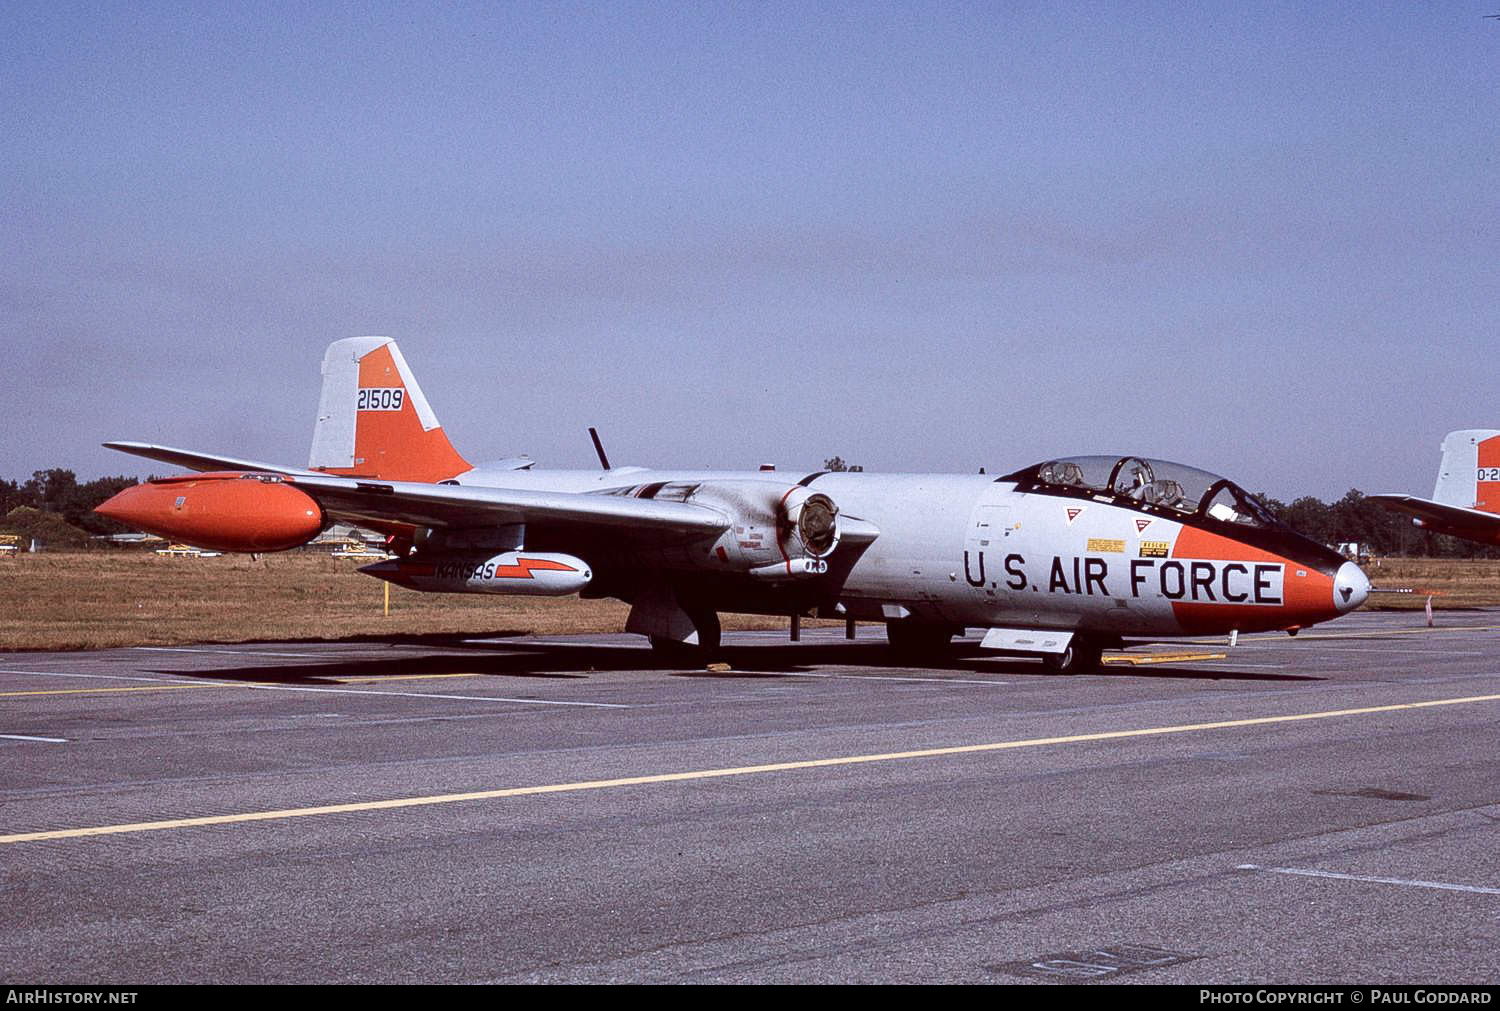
(525, 566)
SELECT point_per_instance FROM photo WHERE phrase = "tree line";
(1375, 528)
(1352, 518)
(58, 492)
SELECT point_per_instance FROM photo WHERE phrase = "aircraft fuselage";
(973, 550)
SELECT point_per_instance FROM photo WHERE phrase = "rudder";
(1469, 475)
(373, 420)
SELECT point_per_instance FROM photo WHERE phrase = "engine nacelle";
(777, 533)
(526, 573)
(811, 519)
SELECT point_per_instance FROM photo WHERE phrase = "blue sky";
(1259, 239)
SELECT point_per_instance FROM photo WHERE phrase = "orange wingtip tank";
(226, 511)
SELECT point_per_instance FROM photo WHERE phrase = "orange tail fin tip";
(374, 421)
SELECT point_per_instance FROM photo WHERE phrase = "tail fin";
(1469, 476)
(373, 420)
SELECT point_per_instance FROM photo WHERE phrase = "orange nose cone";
(219, 511)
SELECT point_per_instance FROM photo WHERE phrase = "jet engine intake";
(776, 532)
(812, 518)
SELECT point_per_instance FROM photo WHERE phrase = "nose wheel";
(1081, 657)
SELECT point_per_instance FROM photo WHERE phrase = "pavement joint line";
(432, 695)
(1339, 876)
(561, 642)
(105, 691)
(1260, 637)
(265, 686)
(375, 679)
(100, 677)
(231, 652)
(881, 677)
(1404, 649)
(721, 773)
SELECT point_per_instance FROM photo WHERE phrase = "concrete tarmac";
(1312, 809)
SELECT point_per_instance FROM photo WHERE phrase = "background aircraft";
(1061, 559)
(1466, 501)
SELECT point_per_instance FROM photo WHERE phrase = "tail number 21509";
(376, 399)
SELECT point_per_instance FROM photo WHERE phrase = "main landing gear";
(915, 640)
(706, 624)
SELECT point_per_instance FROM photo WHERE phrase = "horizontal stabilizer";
(1448, 519)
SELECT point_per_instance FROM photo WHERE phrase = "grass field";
(98, 599)
(1455, 582)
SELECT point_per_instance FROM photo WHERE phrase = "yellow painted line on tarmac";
(1272, 636)
(743, 770)
(377, 679)
(1138, 659)
(228, 684)
(102, 691)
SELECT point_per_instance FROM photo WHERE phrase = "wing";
(444, 505)
(199, 461)
(1448, 519)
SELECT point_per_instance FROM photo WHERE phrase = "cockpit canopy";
(1155, 486)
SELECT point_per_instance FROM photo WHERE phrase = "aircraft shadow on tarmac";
(567, 661)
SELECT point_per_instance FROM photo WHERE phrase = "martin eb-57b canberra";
(1061, 559)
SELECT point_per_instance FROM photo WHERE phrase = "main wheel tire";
(710, 635)
(917, 640)
(1081, 657)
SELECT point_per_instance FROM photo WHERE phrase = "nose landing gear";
(1081, 657)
